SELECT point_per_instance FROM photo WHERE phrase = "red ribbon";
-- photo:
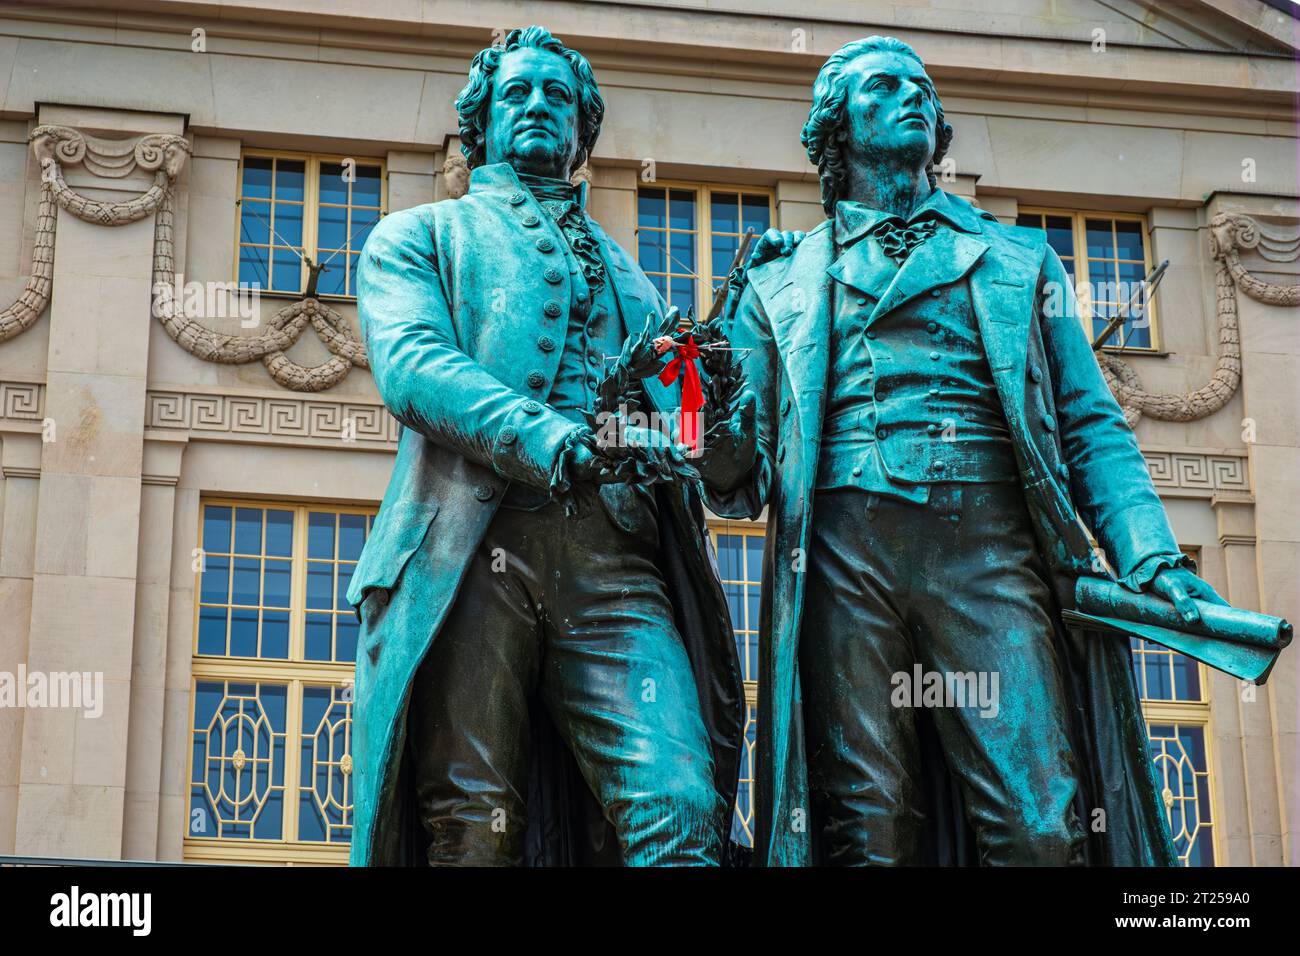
(692, 392)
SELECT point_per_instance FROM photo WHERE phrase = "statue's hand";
(1179, 586)
(773, 243)
(657, 457)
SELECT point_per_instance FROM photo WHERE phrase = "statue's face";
(533, 115)
(890, 110)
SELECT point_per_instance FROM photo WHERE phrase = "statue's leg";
(619, 687)
(863, 763)
(986, 626)
(469, 712)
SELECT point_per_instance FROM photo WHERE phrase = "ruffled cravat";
(897, 241)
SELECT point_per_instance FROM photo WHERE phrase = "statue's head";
(873, 105)
(531, 102)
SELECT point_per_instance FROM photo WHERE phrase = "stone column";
(798, 204)
(73, 772)
(20, 465)
(144, 761)
(1236, 520)
(1270, 394)
(611, 201)
(410, 179)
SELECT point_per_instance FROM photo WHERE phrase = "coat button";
(934, 356)
(939, 465)
(1064, 471)
(785, 407)
(592, 383)
(857, 471)
(934, 393)
(508, 435)
(1049, 423)
(545, 244)
(531, 407)
(932, 429)
(531, 220)
(536, 379)
(552, 275)
(516, 199)
(546, 343)
(932, 326)
(593, 360)
(871, 335)
(935, 293)
(862, 301)
(1035, 374)
(483, 493)
(551, 308)
(882, 432)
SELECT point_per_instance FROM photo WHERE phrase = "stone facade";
(121, 132)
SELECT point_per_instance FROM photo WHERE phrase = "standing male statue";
(931, 425)
(532, 687)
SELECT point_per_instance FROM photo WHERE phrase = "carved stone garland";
(165, 155)
(1228, 233)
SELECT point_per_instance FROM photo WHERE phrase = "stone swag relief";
(547, 673)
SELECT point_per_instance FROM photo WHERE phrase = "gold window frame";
(1078, 223)
(295, 673)
(703, 196)
(310, 211)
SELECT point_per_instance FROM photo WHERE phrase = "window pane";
(286, 274)
(257, 178)
(650, 251)
(724, 212)
(320, 585)
(253, 263)
(650, 208)
(275, 634)
(365, 191)
(352, 536)
(279, 533)
(1129, 239)
(216, 528)
(1060, 235)
(216, 580)
(289, 174)
(333, 188)
(324, 780)
(681, 246)
(757, 214)
(320, 535)
(333, 278)
(248, 530)
(318, 634)
(333, 230)
(276, 584)
(681, 209)
(237, 771)
(288, 225)
(1099, 239)
(255, 222)
(1182, 772)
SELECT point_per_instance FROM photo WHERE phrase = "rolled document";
(1242, 643)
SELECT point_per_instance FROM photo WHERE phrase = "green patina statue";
(927, 428)
(534, 686)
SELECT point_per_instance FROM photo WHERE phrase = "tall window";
(1107, 258)
(275, 648)
(739, 546)
(295, 207)
(1177, 709)
(687, 237)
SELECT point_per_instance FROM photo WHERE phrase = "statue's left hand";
(773, 243)
(1179, 586)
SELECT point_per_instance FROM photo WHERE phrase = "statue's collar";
(853, 220)
(502, 178)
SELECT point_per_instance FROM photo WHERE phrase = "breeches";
(569, 614)
(950, 595)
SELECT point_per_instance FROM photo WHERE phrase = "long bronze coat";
(454, 297)
(1077, 459)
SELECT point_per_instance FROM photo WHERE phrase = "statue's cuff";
(1145, 572)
